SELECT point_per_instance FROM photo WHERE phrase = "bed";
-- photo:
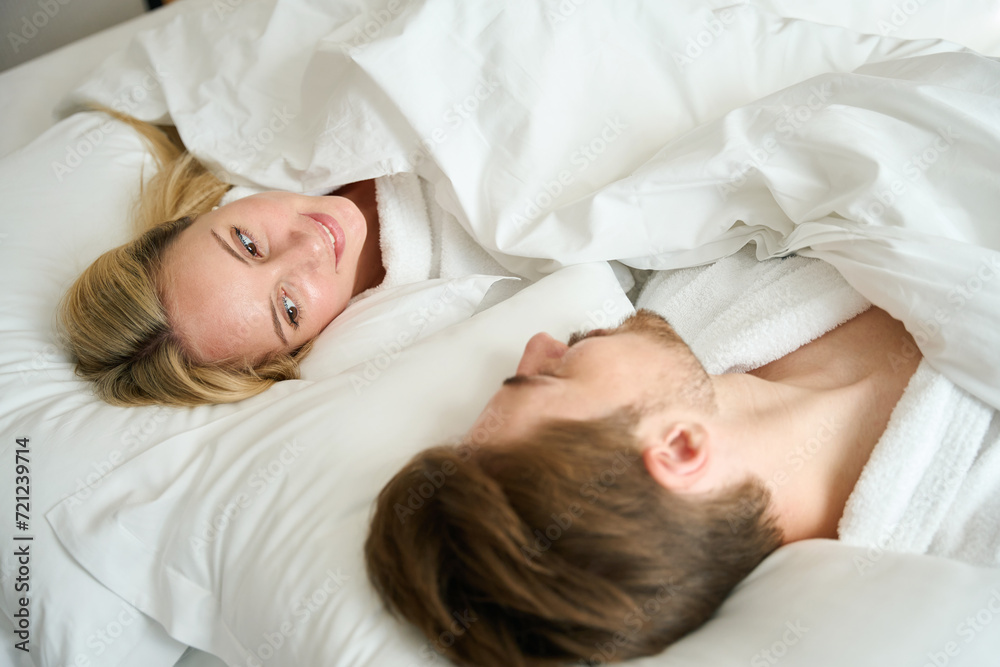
(231, 535)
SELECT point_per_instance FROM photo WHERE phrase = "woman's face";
(265, 273)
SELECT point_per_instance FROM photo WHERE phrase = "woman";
(213, 304)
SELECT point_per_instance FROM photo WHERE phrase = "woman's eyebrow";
(228, 248)
(277, 325)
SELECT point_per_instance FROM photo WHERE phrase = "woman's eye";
(247, 242)
(290, 309)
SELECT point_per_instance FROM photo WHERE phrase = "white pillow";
(821, 603)
(377, 328)
(64, 199)
(244, 536)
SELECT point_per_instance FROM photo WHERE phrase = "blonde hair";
(113, 320)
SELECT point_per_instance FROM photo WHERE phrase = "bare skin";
(804, 424)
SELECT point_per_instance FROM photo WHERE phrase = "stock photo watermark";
(697, 45)
(34, 23)
(262, 477)
(21, 547)
(41, 361)
(224, 7)
(900, 15)
(795, 460)
(874, 553)
(582, 158)
(562, 11)
(299, 614)
(633, 623)
(255, 141)
(417, 496)
(971, 627)
(912, 170)
(404, 338)
(786, 127)
(138, 432)
(431, 651)
(772, 655)
(454, 117)
(126, 103)
(958, 297)
(104, 637)
(591, 490)
(370, 27)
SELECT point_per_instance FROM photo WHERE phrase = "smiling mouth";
(333, 232)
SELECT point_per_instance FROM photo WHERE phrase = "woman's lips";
(338, 234)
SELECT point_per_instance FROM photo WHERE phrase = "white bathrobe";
(932, 484)
(419, 239)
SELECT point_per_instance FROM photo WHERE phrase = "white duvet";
(629, 136)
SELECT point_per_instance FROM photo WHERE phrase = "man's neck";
(808, 422)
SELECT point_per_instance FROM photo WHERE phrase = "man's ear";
(677, 455)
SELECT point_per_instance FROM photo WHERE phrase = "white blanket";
(555, 133)
(932, 484)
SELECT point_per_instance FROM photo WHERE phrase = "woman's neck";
(371, 271)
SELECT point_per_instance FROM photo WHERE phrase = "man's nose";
(542, 354)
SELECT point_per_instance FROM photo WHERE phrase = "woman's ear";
(677, 455)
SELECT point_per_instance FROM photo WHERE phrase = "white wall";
(30, 28)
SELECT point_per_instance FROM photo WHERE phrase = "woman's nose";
(542, 354)
(301, 248)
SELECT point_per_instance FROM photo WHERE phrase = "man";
(620, 472)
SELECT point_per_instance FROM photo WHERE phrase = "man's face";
(641, 363)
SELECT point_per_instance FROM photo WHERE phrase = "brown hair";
(113, 320)
(558, 547)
